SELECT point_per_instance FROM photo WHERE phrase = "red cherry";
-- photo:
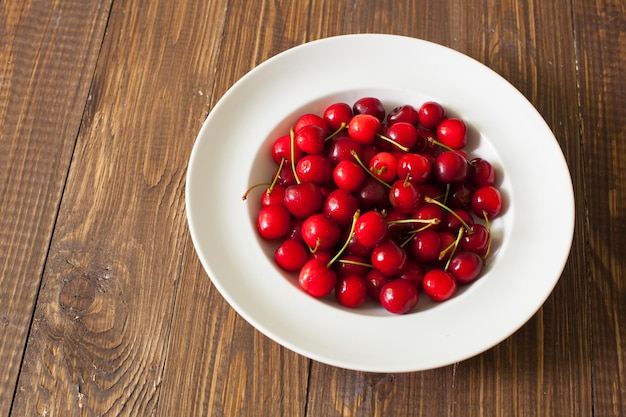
(405, 197)
(425, 246)
(369, 105)
(402, 133)
(439, 285)
(336, 114)
(341, 149)
(450, 167)
(389, 258)
(452, 133)
(310, 139)
(414, 167)
(476, 239)
(311, 119)
(291, 255)
(373, 195)
(363, 127)
(398, 296)
(481, 173)
(487, 199)
(275, 197)
(405, 113)
(320, 233)
(282, 149)
(340, 206)
(431, 114)
(465, 266)
(273, 222)
(384, 165)
(351, 290)
(370, 228)
(349, 175)
(316, 278)
(315, 168)
(303, 200)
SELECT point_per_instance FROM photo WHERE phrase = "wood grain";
(99, 338)
(47, 58)
(601, 29)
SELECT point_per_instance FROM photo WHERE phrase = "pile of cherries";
(365, 203)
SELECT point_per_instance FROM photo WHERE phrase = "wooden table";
(104, 306)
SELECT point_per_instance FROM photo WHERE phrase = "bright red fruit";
(452, 133)
(351, 291)
(291, 255)
(439, 285)
(273, 222)
(398, 296)
(317, 279)
(363, 128)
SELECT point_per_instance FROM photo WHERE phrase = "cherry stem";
(345, 245)
(411, 221)
(275, 179)
(446, 147)
(292, 145)
(245, 196)
(412, 234)
(351, 262)
(454, 245)
(449, 210)
(393, 142)
(362, 165)
(488, 226)
(336, 132)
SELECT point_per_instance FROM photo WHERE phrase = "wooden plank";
(601, 41)
(47, 58)
(233, 369)
(99, 339)
(543, 369)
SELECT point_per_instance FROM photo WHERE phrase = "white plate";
(532, 238)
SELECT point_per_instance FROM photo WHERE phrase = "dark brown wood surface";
(104, 306)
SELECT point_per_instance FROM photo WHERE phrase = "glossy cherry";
(363, 128)
(452, 132)
(310, 139)
(398, 296)
(414, 167)
(369, 105)
(389, 258)
(316, 278)
(303, 200)
(273, 222)
(430, 114)
(487, 199)
(351, 290)
(450, 167)
(439, 285)
(337, 114)
(405, 113)
(349, 175)
(320, 232)
(340, 206)
(291, 255)
(316, 169)
(370, 229)
(465, 266)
